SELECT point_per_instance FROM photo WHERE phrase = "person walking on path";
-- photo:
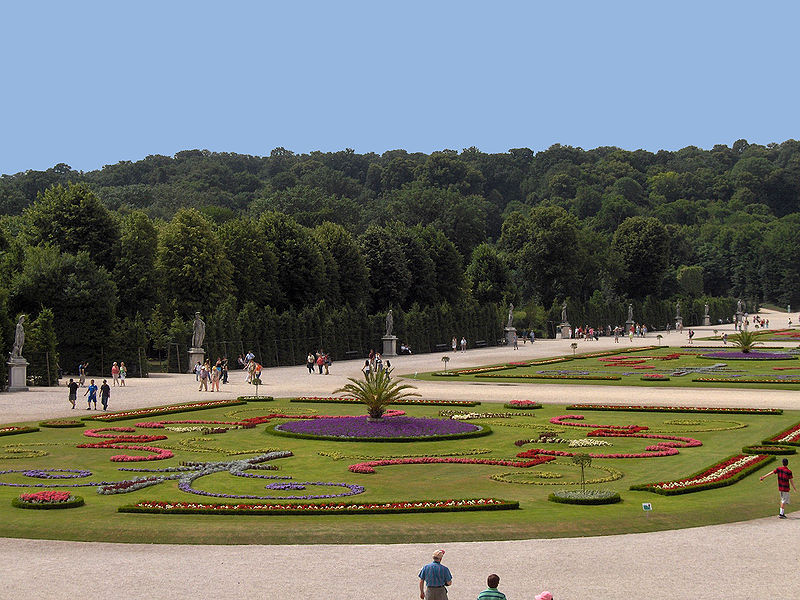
(310, 362)
(123, 373)
(105, 392)
(464, 344)
(453, 343)
(115, 374)
(73, 392)
(203, 379)
(436, 577)
(491, 593)
(784, 479)
(91, 392)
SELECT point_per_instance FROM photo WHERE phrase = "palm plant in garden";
(377, 391)
(745, 340)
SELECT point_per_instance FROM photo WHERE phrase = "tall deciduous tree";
(351, 266)
(489, 276)
(72, 218)
(389, 275)
(643, 244)
(254, 260)
(196, 271)
(135, 272)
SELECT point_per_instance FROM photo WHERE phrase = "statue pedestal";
(706, 320)
(389, 345)
(678, 323)
(565, 330)
(195, 355)
(510, 334)
(17, 374)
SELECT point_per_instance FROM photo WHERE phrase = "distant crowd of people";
(375, 363)
(321, 360)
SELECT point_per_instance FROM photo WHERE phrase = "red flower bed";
(164, 410)
(369, 466)
(47, 496)
(561, 421)
(789, 436)
(639, 407)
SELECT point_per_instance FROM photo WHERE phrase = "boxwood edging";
(612, 498)
(78, 501)
(409, 403)
(159, 410)
(19, 430)
(645, 487)
(677, 409)
(61, 423)
(485, 430)
(256, 398)
(329, 509)
(773, 448)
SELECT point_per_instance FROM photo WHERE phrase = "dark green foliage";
(41, 349)
(642, 243)
(588, 498)
(135, 273)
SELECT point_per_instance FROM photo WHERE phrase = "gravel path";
(737, 560)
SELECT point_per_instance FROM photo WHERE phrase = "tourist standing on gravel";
(73, 391)
(784, 479)
(123, 373)
(491, 593)
(105, 392)
(91, 392)
(115, 373)
(436, 577)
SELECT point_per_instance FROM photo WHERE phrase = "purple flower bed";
(388, 427)
(749, 355)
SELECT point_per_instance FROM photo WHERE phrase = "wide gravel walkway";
(756, 559)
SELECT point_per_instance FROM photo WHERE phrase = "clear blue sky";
(93, 83)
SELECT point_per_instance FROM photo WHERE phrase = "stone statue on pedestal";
(198, 331)
(19, 338)
(630, 313)
(706, 307)
(739, 306)
(678, 309)
(389, 323)
(510, 315)
(564, 312)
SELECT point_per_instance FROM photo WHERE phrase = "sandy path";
(739, 560)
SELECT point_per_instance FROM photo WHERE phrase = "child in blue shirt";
(91, 391)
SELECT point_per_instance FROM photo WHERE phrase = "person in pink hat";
(544, 596)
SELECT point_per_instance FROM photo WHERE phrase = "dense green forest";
(290, 252)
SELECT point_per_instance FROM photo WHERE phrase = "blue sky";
(93, 83)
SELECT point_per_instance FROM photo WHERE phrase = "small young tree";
(445, 360)
(745, 341)
(574, 346)
(377, 391)
(583, 460)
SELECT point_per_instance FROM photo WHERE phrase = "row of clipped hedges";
(589, 497)
(339, 508)
(486, 430)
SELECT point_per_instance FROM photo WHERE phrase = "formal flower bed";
(561, 420)
(514, 476)
(789, 436)
(14, 429)
(419, 402)
(522, 404)
(586, 497)
(255, 398)
(158, 453)
(618, 351)
(742, 380)
(752, 355)
(554, 376)
(768, 449)
(549, 361)
(369, 466)
(61, 423)
(163, 410)
(723, 473)
(394, 429)
(445, 374)
(676, 409)
(654, 377)
(483, 370)
(47, 500)
(324, 508)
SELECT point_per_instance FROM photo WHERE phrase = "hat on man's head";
(438, 554)
(544, 596)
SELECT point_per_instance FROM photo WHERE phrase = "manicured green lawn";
(682, 366)
(326, 461)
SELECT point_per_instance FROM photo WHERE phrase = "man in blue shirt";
(91, 391)
(437, 577)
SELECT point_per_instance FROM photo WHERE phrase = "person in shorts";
(73, 392)
(784, 479)
(91, 392)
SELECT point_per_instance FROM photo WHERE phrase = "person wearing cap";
(491, 593)
(436, 577)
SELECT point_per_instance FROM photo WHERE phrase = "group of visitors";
(118, 373)
(405, 348)
(375, 364)
(91, 393)
(454, 344)
(435, 578)
(321, 359)
(205, 373)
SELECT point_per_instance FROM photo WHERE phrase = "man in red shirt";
(784, 479)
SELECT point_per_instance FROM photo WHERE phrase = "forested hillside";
(290, 252)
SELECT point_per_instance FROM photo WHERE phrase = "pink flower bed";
(369, 467)
(720, 474)
(562, 421)
(46, 497)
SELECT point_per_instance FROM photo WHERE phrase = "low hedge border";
(321, 509)
(611, 498)
(78, 501)
(538, 376)
(775, 449)
(160, 410)
(60, 423)
(256, 398)
(522, 407)
(17, 430)
(645, 487)
(406, 403)
(485, 430)
(678, 409)
(736, 380)
(645, 378)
